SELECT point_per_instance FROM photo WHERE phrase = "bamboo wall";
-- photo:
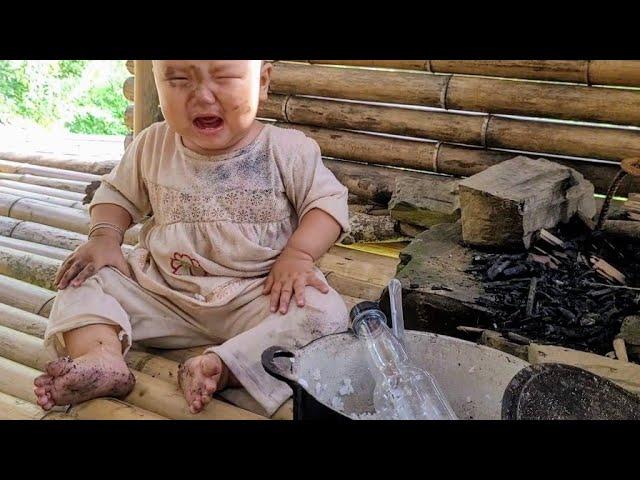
(457, 117)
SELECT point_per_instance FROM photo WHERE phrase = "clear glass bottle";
(403, 391)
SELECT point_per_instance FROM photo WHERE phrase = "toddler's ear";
(265, 79)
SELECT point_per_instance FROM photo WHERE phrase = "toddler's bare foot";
(95, 374)
(200, 377)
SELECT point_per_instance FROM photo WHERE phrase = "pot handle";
(269, 364)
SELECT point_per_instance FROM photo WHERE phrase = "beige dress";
(217, 225)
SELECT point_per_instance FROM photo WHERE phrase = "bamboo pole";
(17, 379)
(12, 408)
(7, 166)
(128, 87)
(357, 84)
(534, 99)
(22, 348)
(57, 183)
(104, 409)
(54, 192)
(32, 247)
(43, 234)
(394, 64)
(26, 296)
(22, 321)
(76, 163)
(146, 96)
(486, 131)
(153, 365)
(376, 184)
(44, 198)
(165, 399)
(23, 208)
(54, 216)
(440, 157)
(594, 72)
(29, 267)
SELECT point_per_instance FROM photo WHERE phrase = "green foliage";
(83, 96)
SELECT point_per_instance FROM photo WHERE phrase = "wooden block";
(504, 205)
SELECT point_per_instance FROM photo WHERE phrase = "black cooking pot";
(473, 376)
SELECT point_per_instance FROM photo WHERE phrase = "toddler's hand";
(289, 276)
(99, 251)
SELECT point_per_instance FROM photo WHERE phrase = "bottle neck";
(386, 353)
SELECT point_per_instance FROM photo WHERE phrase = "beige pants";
(240, 331)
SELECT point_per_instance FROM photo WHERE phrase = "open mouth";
(208, 123)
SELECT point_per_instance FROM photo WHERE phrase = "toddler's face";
(212, 104)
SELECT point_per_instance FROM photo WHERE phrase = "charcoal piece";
(515, 271)
(497, 268)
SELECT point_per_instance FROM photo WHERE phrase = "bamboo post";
(145, 95)
(130, 64)
(516, 97)
(129, 116)
(57, 183)
(128, 88)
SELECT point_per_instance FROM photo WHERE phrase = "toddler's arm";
(293, 270)
(120, 201)
(102, 248)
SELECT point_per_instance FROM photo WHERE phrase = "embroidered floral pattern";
(183, 264)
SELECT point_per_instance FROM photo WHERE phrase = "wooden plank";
(625, 374)
(373, 269)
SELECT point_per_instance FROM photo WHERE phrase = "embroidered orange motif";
(183, 264)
